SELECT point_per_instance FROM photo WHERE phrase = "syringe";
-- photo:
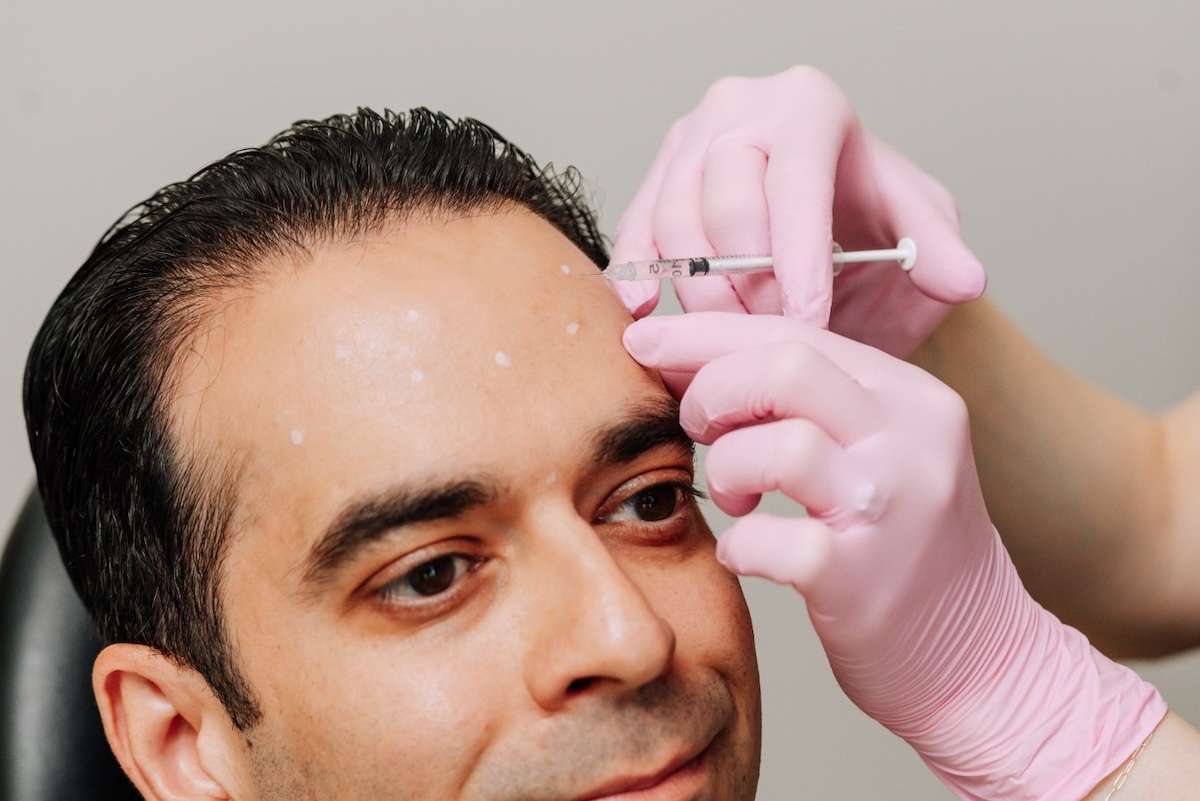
(905, 252)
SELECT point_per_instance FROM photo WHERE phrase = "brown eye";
(651, 505)
(656, 503)
(429, 578)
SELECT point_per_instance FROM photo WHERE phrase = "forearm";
(1167, 768)
(1084, 488)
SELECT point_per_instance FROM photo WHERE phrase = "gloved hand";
(923, 618)
(780, 165)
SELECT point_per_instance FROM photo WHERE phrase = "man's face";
(462, 563)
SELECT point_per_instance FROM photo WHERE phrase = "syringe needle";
(905, 252)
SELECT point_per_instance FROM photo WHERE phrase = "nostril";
(579, 685)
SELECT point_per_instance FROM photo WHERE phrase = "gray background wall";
(1069, 131)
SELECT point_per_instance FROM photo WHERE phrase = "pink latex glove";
(923, 618)
(781, 165)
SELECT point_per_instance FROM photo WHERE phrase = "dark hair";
(141, 521)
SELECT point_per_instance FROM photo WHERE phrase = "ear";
(171, 735)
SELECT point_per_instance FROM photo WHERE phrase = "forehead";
(432, 347)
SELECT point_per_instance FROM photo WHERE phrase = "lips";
(681, 779)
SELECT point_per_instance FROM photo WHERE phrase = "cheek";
(416, 718)
(705, 607)
(714, 631)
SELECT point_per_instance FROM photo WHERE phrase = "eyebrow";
(367, 520)
(652, 424)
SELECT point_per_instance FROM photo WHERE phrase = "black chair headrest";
(52, 745)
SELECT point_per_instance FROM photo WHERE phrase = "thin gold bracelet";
(1123, 775)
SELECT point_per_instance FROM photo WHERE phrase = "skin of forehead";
(308, 376)
(463, 331)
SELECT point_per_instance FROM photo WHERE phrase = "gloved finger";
(678, 221)
(783, 550)
(633, 239)
(795, 457)
(707, 293)
(735, 220)
(799, 186)
(945, 268)
(639, 297)
(776, 382)
(677, 383)
(685, 343)
(759, 383)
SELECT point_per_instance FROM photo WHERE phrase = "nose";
(595, 630)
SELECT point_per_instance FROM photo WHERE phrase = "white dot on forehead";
(413, 315)
(342, 351)
(502, 359)
(566, 269)
(417, 376)
(573, 328)
(297, 436)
